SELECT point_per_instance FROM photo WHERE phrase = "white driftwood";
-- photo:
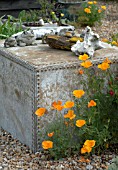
(90, 44)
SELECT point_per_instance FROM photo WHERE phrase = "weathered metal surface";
(35, 76)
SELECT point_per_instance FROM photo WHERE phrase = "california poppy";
(104, 66)
(70, 115)
(91, 103)
(50, 134)
(78, 93)
(40, 111)
(86, 64)
(47, 144)
(69, 104)
(80, 123)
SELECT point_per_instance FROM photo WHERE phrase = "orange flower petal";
(78, 93)
(104, 66)
(90, 2)
(47, 144)
(103, 7)
(80, 123)
(69, 104)
(50, 134)
(40, 111)
(107, 61)
(89, 143)
(57, 105)
(86, 64)
(81, 72)
(91, 103)
(83, 57)
(87, 10)
(70, 115)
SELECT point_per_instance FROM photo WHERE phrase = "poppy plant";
(81, 72)
(86, 64)
(50, 134)
(40, 111)
(47, 144)
(104, 66)
(103, 7)
(80, 123)
(57, 105)
(78, 93)
(86, 149)
(83, 57)
(90, 143)
(70, 115)
(90, 2)
(69, 104)
(99, 10)
(107, 61)
(91, 103)
(87, 10)
(94, 2)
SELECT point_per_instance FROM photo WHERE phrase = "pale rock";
(90, 44)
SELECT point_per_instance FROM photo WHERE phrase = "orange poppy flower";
(80, 123)
(81, 72)
(99, 10)
(50, 134)
(78, 93)
(107, 61)
(89, 143)
(68, 104)
(91, 103)
(86, 149)
(70, 115)
(90, 2)
(114, 43)
(103, 7)
(104, 66)
(83, 57)
(87, 10)
(57, 105)
(40, 111)
(94, 2)
(86, 64)
(47, 144)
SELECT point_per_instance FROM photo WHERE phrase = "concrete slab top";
(42, 54)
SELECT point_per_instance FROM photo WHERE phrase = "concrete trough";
(35, 76)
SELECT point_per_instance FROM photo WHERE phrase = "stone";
(89, 167)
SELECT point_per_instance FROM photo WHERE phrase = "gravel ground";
(16, 156)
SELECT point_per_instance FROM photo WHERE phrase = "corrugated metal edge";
(34, 107)
(61, 65)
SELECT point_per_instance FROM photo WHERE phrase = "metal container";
(35, 76)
